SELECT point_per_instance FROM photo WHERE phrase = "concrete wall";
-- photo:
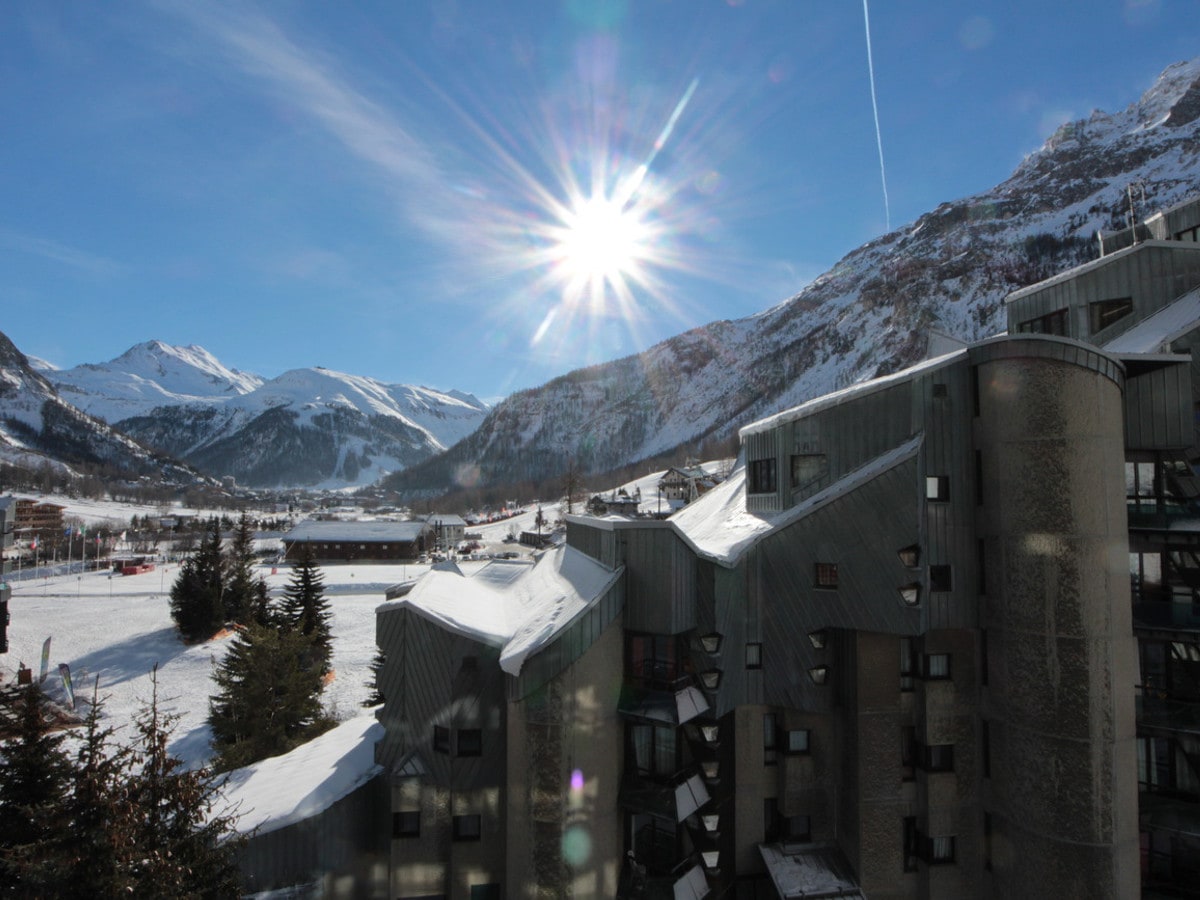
(1059, 700)
(565, 833)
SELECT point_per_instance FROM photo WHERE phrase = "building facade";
(937, 635)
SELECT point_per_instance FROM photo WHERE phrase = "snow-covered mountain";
(870, 314)
(38, 427)
(147, 375)
(309, 427)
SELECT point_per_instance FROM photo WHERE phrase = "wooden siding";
(1153, 274)
(848, 435)
(1158, 405)
(767, 445)
(575, 640)
(343, 848)
(660, 579)
(425, 684)
(943, 403)
(861, 532)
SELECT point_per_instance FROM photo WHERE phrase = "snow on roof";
(373, 531)
(283, 790)
(446, 520)
(719, 526)
(1155, 333)
(513, 605)
(863, 388)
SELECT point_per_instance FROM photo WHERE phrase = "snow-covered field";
(118, 628)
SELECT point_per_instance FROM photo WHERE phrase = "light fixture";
(711, 642)
(911, 594)
(711, 679)
(710, 822)
(709, 733)
(817, 639)
(710, 767)
(819, 674)
(710, 857)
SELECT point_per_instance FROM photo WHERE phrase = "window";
(907, 667)
(1103, 313)
(939, 578)
(797, 741)
(912, 843)
(467, 828)
(654, 750)
(937, 487)
(983, 656)
(470, 742)
(441, 739)
(762, 476)
(1051, 323)
(908, 753)
(807, 468)
(941, 850)
(825, 575)
(979, 477)
(772, 820)
(754, 656)
(770, 739)
(937, 666)
(939, 758)
(798, 828)
(653, 658)
(406, 824)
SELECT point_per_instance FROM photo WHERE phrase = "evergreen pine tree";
(241, 595)
(196, 596)
(35, 780)
(94, 856)
(267, 700)
(185, 846)
(375, 697)
(304, 609)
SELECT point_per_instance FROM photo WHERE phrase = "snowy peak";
(312, 426)
(148, 375)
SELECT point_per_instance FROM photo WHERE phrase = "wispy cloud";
(31, 245)
(408, 168)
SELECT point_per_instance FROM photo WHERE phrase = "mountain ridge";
(311, 427)
(868, 315)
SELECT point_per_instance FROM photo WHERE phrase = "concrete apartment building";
(896, 654)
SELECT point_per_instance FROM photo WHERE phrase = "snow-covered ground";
(117, 629)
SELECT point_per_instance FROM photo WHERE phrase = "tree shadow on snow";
(133, 657)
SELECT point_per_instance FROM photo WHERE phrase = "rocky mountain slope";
(308, 427)
(870, 314)
(38, 427)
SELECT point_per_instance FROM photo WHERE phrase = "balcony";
(1163, 716)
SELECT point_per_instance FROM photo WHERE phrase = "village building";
(358, 542)
(447, 531)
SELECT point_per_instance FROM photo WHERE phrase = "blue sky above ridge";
(483, 196)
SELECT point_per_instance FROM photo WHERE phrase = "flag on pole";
(64, 672)
(45, 661)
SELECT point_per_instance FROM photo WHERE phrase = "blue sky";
(482, 194)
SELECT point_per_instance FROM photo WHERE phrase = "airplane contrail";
(887, 213)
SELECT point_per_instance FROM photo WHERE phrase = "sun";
(602, 241)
